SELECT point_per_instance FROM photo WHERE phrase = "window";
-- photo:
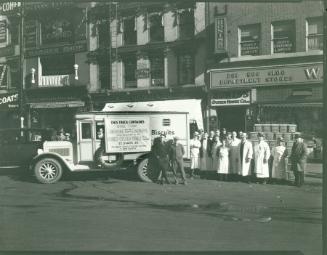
(99, 130)
(104, 74)
(249, 40)
(58, 64)
(129, 31)
(130, 68)
(104, 34)
(157, 70)
(185, 69)
(156, 28)
(283, 37)
(314, 34)
(186, 24)
(86, 131)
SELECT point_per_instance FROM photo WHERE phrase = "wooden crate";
(257, 127)
(270, 136)
(275, 128)
(291, 128)
(283, 128)
(253, 135)
(287, 137)
(266, 127)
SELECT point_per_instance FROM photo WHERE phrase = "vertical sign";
(30, 33)
(3, 31)
(220, 35)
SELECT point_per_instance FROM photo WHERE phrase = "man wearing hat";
(279, 164)
(176, 152)
(299, 159)
(261, 157)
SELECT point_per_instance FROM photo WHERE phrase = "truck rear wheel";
(143, 170)
(48, 170)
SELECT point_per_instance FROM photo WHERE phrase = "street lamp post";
(21, 63)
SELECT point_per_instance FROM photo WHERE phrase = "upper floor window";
(58, 64)
(186, 24)
(283, 36)
(130, 69)
(185, 69)
(63, 26)
(156, 28)
(129, 31)
(249, 40)
(314, 34)
(104, 74)
(157, 70)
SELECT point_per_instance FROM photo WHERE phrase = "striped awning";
(290, 105)
(65, 104)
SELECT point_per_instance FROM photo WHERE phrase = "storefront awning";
(42, 105)
(290, 105)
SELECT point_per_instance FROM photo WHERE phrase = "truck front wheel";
(48, 170)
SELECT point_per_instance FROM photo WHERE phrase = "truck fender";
(56, 156)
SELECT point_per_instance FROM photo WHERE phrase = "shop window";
(130, 69)
(129, 31)
(157, 70)
(185, 69)
(186, 24)
(314, 34)
(156, 28)
(249, 42)
(58, 64)
(283, 37)
(86, 131)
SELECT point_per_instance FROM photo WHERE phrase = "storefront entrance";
(232, 118)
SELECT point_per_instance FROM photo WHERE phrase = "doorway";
(232, 118)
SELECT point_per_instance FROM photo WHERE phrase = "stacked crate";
(271, 133)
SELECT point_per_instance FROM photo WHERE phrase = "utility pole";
(21, 63)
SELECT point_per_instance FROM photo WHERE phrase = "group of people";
(232, 156)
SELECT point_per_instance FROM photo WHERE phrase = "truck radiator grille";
(60, 151)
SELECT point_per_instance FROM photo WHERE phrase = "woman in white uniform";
(279, 164)
(195, 145)
(261, 157)
(223, 161)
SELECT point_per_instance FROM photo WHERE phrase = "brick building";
(266, 65)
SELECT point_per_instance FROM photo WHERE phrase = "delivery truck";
(113, 140)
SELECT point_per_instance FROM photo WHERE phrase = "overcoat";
(261, 156)
(299, 157)
(246, 159)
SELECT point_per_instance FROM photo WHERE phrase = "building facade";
(9, 65)
(266, 65)
(157, 51)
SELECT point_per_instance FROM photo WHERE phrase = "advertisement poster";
(127, 134)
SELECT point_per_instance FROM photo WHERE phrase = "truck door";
(85, 140)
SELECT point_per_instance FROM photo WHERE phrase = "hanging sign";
(3, 31)
(220, 35)
(9, 7)
(9, 101)
(242, 100)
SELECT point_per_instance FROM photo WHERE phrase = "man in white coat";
(261, 157)
(246, 153)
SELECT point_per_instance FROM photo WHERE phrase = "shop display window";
(283, 36)
(249, 42)
(156, 28)
(314, 34)
(185, 69)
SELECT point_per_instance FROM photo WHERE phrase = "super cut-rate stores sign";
(127, 134)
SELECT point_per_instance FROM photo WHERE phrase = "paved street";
(116, 212)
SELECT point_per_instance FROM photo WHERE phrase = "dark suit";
(299, 161)
(160, 153)
(176, 152)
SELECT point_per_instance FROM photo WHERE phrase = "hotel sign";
(242, 100)
(267, 75)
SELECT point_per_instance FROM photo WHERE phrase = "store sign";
(283, 45)
(3, 31)
(142, 73)
(250, 48)
(7, 51)
(220, 35)
(127, 134)
(9, 7)
(268, 75)
(244, 99)
(56, 50)
(9, 101)
(47, 5)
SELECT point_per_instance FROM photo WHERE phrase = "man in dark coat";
(160, 153)
(176, 152)
(299, 160)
